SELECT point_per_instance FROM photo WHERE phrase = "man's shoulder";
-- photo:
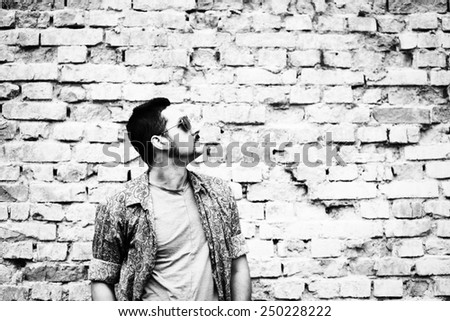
(131, 192)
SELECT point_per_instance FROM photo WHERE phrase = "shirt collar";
(138, 189)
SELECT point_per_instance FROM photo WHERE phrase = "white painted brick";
(411, 189)
(427, 152)
(331, 77)
(438, 169)
(401, 77)
(338, 94)
(355, 287)
(71, 37)
(304, 58)
(272, 59)
(388, 288)
(37, 90)
(443, 228)
(372, 134)
(72, 54)
(362, 24)
(407, 228)
(302, 95)
(323, 248)
(423, 21)
(103, 91)
(377, 209)
(19, 211)
(51, 251)
(343, 173)
(409, 248)
(298, 22)
(438, 208)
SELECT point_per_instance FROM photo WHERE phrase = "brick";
(68, 131)
(46, 292)
(407, 209)
(104, 92)
(254, 76)
(425, 58)
(323, 248)
(304, 58)
(272, 59)
(362, 24)
(437, 246)
(8, 90)
(390, 24)
(439, 77)
(98, 193)
(68, 18)
(167, 19)
(342, 133)
(101, 18)
(57, 192)
(79, 212)
(235, 56)
(79, 291)
(205, 93)
(344, 190)
(391, 266)
(4, 212)
(440, 114)
(7, 18)
(45, 152)
(247, 175)
(427, 152)
(31, 71)
(115, 5)
(151, 75)
(411, 189)
(41, 231)
(266, 39)
(19, 211)
(75, 232)
(408, 40)
(298, 22)
(338, 94)
(37, 91)
(38, 172)
(51, 251)
(181, 5)
(72, 94)
(234, 114)
(72, 54)
(135, 37)
(401, 77)
(198, 39)
(21, 37)
(430, 40)
(93, 73)
(265, 22)
(376, 173)
(71, 172)
(423, 21)
(325, 288)
(54, 272)
(331, 77)
(279, 212)
(102, 132)
(343, 173)
(407, 228)
(34, 130)
(409, 248)
(19, 250)
(302, 95)
(71, 37)
(142, 92)
(7, 53)
(251, 211)
(264, 267)
(443, 228)
(341, 59)
(34, 110)
(81, 251)
(437, 208)
(438, 169)
(388, 288)
(377, 209)
(289, 289)
(47, 212)
(404, 134)
(14, 293)
(399, 6)
(355, 287)
(442, 287)
(433, 265)
(331, 23)
(372, 134)
(9, 172)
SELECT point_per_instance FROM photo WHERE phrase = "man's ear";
(160, 142)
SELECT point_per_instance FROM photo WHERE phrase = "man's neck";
(170, 177)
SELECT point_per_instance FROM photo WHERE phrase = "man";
(171, 234)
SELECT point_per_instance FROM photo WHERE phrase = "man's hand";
(241, 287)
(101, 291)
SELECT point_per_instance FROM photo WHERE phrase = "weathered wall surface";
(373, 73)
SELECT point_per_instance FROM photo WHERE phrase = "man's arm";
(102, 291)
(241, 287)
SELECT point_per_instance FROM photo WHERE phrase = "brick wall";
(373, 73)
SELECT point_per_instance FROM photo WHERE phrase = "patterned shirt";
(125, 245)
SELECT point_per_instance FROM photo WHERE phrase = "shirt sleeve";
(238, 244)
(106, 246)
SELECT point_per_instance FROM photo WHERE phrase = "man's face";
(183, 135)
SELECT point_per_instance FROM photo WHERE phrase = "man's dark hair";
(146, 121)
